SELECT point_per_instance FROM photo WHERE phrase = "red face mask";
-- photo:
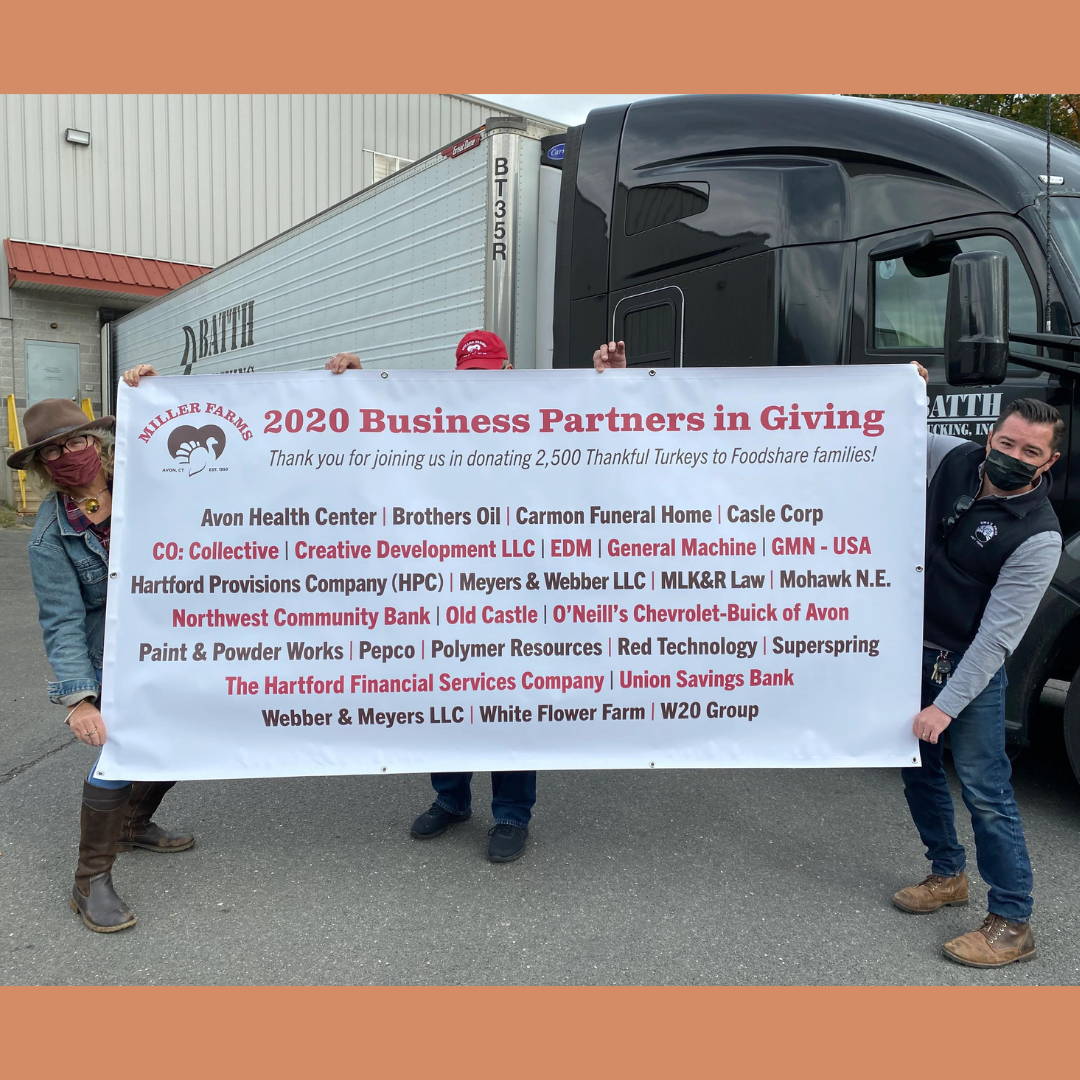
(75, 470)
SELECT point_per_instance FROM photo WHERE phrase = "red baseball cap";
(481, 349)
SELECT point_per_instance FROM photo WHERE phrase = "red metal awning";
(75, 268)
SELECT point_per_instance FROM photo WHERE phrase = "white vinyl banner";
(455, 571)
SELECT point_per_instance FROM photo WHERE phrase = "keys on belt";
(943, 667)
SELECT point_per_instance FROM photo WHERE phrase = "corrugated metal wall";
(396, 274)
(200, 178)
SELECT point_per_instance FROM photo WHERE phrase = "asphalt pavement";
(689, 877)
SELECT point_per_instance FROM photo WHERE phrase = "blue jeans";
(113, 785)
(977, 741)
(512, 795)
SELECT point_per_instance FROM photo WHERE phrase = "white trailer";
(462, 239)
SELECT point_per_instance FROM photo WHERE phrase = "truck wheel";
(1072, 725)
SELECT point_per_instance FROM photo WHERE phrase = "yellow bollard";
(16, 441)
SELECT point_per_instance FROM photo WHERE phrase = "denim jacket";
(70, 571)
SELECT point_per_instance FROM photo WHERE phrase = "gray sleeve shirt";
(1023, 579)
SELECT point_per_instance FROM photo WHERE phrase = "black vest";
(963, 560)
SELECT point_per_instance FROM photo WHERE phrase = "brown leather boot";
(92, 896)
(933, 892)
(996, 943)
(139, 831)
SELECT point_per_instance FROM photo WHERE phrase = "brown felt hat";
(48, 420)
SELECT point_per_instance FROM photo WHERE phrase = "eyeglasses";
(960, 508)
(71, 446)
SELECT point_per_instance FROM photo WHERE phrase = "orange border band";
(425, 46)
(767, 1032)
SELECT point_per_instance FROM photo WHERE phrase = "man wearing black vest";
(992, 545)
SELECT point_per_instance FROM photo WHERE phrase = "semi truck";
(719, 230)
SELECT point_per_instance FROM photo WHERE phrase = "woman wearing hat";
(72, 461)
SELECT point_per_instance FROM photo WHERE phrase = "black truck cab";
(742, 230)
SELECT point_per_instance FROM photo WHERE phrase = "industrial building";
(110, 200)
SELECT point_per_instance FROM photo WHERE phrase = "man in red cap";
(512, 793)
(482, 349)
(477, 349)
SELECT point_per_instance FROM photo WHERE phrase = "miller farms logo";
(196, 449)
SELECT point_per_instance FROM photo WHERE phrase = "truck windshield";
(1065, 223)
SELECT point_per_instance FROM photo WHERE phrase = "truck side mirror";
(977, 319)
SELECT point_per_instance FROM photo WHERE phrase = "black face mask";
(1007, 473)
